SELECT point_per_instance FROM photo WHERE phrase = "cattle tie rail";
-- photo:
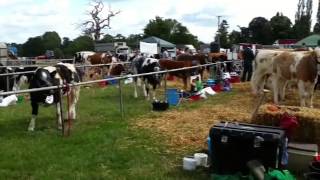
(107, 79)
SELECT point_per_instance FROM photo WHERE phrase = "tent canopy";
(160, 42)
(311, 40)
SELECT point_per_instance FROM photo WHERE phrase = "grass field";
(101, 145)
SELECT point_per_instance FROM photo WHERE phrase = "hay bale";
(309, 121)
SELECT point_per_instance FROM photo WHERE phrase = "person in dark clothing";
(248, 57)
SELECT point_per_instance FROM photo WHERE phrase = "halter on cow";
(60, 74)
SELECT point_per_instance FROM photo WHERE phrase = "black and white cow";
(146, 65)
(14, 82)
(62, 73)
(82, 56)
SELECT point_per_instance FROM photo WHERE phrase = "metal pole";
(61, 111)
(121, 100)
(7, 81)
(165, 87)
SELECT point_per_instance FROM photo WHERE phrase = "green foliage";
(134, 39)
(302, 24)
(51, 40)
(260, 30)
(223, 34)
(170, 30)
(316, 28)
(33, 47)
(107, 39)
(235, 37)
(58, 53)
(81, 43)
(281, 26)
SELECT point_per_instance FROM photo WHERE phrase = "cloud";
(21, 19)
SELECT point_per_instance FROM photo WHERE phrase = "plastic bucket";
(111, 82)
(210, 82)
(173, 96)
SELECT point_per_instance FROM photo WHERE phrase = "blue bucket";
(111, 82)
(210, 82)
(173, 96)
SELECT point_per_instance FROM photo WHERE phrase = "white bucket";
(201, 159)
(189, 164)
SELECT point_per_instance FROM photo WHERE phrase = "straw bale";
(308, 119)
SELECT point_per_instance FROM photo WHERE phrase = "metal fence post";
(8, 83)
(61, 111)
(121, 99)
(165, 86)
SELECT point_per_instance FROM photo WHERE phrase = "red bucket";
(102, 84)
(235, 79)
(217, 87)
(195, 97)
(170, 78)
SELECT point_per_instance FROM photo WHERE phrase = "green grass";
(101, 145)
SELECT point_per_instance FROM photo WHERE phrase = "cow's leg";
(275, 84)
(302, 93)
(58, 107)
(144, 88)
(282, 89)
(135, 87)
(154, 91)
(32, 123)
(310, 91)
(73, 99)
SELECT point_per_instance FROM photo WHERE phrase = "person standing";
(248, 58)
(165, 53)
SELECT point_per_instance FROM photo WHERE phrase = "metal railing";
(108, 79)
(121, 103)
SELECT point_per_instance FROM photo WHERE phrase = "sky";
(21, 19)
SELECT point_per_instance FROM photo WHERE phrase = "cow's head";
(317, 53)
(78, 58)
(42, 78)
(152, 65)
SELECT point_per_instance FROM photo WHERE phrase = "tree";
(235, 37)
(33, 47)
(51, 40)
(281, 26)
(303, 15)
(223, 34)
(58, 53)
(260, 31)
(97, 22)
(81, 43)
(107, 39)
(119, 37)
(170, 30)
(316, 28)
(134, 39)
(65, 42)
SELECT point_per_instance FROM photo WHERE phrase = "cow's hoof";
(59, 127)
(30, 129)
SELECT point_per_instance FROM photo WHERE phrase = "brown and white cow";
(282, 67)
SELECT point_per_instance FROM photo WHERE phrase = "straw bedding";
(188, 129)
